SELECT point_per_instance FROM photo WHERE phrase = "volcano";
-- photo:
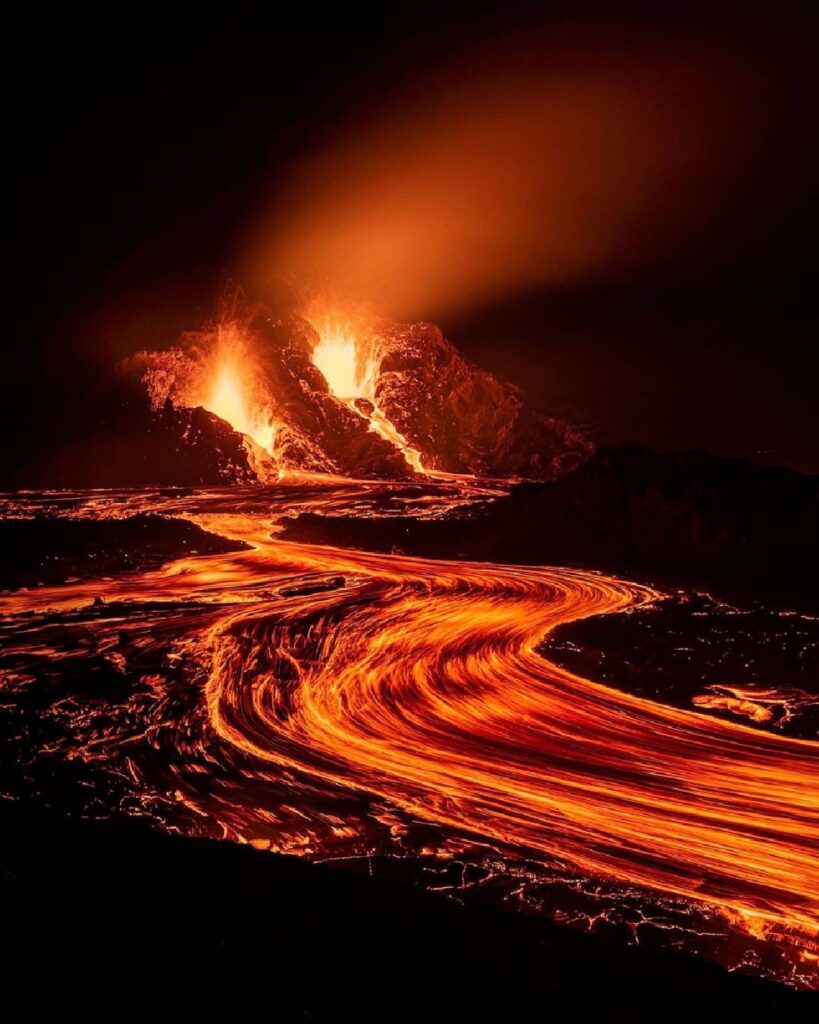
(257, 396)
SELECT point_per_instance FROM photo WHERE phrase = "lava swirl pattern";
(419, 682)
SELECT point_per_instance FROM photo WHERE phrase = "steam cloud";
(588, 156)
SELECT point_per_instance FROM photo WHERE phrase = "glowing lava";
(326, 678)
(218, 368)
(349, 370)
(347, 358)
(228, 400)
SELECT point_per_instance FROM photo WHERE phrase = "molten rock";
(315, 430)
(376, 401)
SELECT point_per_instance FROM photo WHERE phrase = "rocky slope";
(463, 419)
(118, 440)
(315, 430)
(420, 394)
(423, 407)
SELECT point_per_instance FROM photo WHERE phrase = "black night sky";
(148, 148)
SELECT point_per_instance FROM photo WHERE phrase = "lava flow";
(341, 705)
(328, 692)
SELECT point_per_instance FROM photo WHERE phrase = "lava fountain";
(224, 368)
(349, 367)
(347, 357)
(227, 400)
(219, 369)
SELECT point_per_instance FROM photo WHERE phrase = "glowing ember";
(759, 704)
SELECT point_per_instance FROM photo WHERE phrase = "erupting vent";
(348, 361)
(227, 400)
(340, 392)
(348, 373)
(219, 370)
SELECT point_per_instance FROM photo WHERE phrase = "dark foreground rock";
(49, 551)
(114, 922)
(115, 439)
(686, 517)
(690, 650)
(465, 420)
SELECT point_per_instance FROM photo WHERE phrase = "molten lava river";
(402, 716)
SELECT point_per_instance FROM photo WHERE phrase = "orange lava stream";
(429, 692)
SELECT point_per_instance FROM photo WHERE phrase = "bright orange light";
(219, 369)
(347, 357)
(228, 401)
(422, 684)
(348, 373)
(503, 172)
